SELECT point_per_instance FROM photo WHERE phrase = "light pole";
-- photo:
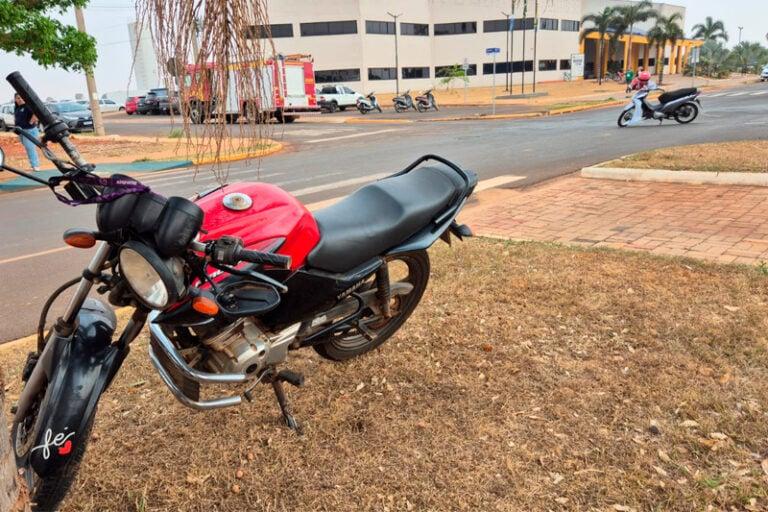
(397, 70)
(509, 64)
(740, 30)
(525, 29)
(535, 41)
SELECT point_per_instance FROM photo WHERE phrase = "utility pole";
(510, 20)
(525, 29)
(397, 65)
(740, 30)
(93, 96)
(512, 46)
(535, 40)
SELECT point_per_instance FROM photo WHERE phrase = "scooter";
(403, 102)
(368, 104)
(230, 283)
(682, 105)
(426, 101)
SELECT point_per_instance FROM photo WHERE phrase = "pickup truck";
(336, 97)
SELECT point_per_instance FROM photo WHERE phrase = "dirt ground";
(740, 156)
(532, 377)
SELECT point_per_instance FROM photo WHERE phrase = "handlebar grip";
(265, 258)
(31, 98)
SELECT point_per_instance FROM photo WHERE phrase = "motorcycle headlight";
(156, 282)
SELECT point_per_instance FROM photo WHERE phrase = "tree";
(455, 72)
(27, 29)
(748, 56)
(603, 23)
(715, 58)
(710, 30)
(629, 15)
(666, 31)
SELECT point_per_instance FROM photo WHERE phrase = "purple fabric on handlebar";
(119, 187)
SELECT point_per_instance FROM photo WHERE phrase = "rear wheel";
(399, 108)
(411, 269)
(421, 107)
(686, 113)
(626, 117)
(332, 107)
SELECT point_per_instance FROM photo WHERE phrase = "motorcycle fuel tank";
(261, 215)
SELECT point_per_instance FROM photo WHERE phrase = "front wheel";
(626, 117)
(421, 107)
(399, 108)
(404, 269)
(686, 113)
(46, 492)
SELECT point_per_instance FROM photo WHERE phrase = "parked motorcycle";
(682, 105)
(230, 284)
(368, 104)
(403, 102)
(426, 101)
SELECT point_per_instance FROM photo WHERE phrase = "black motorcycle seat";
(671, 96)
(381, 216)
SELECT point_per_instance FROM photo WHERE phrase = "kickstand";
(277, 385)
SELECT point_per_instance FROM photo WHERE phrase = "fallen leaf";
(561, 500)
(556, 478)
(764, 465)
(487, 347)
(732, 309)
(251, 456)
(718, 435)
(359, 386)
(660, 471)
(663, 456)
(622, 508)
(689, 424)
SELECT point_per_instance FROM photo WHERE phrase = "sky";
(107, 21)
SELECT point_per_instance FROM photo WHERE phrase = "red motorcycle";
(229, 283)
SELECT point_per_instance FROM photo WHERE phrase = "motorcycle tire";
(421, 107)
(692, 115)
(352, 343)
(625, 117)
(399, 108)
(363, 110)
(46, 493)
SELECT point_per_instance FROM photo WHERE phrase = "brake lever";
(250, 273)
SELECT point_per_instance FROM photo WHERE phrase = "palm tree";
(715, 58)
(603, 22)
(747, 55)
(666, 31)
(710, 30)
(627, 16)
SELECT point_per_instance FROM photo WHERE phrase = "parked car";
(337, 97)
(157, 101)
(764, 74)
(77, 116)
(7, 120)
(132, 104)
(108, 105)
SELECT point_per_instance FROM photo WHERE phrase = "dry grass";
(740, 156)
(527, 380)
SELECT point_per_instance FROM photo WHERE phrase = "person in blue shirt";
(26, 120)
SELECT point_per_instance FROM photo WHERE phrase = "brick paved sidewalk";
(715, 222)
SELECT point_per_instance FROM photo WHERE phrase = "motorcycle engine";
(240, 348)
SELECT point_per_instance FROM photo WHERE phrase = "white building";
(145, 65)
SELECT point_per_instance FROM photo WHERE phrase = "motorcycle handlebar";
(264, 258)
(31, 98)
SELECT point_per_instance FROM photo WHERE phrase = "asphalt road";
(331, 160)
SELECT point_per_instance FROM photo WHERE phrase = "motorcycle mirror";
(2, 157)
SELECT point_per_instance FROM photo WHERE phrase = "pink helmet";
(644, 76)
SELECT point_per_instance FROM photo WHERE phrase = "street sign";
(577, 65)
(492, 51)
(695, 55)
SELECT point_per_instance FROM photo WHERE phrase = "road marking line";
(716, 95)
(738, 94)
(759, 93)
(34, 254)
(354, 135)
(339, 184)
(498, 181)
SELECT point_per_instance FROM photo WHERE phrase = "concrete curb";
(274, 148)
(692, 177)
(582, 108)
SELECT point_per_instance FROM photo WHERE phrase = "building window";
(548, 65)
(503, 67)
(496, 25)
(381, 74)
(666, 61)
(414, 29)
(524, 24)
(547, 24)
(651, 62)
(274, 30)
(328, 28)
(565, 64)
(570, 25)
(443, 71)
(337, 75)
(416, 72)
(379, 27)
(448, 29)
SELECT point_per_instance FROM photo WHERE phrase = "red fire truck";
(285, 91)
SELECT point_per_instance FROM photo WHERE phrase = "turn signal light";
(80, 240)
(205, 306)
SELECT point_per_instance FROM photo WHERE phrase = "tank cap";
(237, 201)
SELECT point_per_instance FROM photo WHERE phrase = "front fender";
(77, 370)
